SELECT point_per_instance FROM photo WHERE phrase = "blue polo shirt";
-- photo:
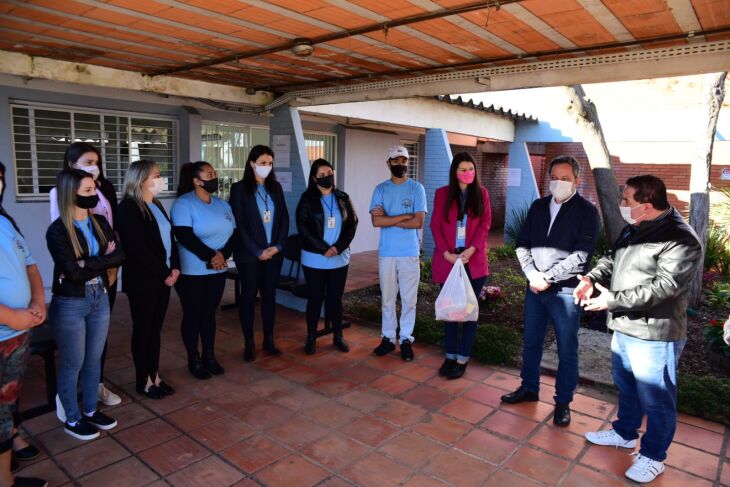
(399, 199)
(164, 225)
(15, 257)
(264, 202)
(212, 223)
(319, 261)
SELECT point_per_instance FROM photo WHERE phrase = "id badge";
(461, 232)
(331, 222)
(267, 216)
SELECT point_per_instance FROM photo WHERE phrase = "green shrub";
(601, 247)
(506, 251)
(426, 269)
(717, 252)
(365, 311)
(714, 336)
(718, 297)
(706, 397)
(516, 222)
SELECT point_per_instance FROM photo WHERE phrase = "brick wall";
(493, 176)
(675, 176)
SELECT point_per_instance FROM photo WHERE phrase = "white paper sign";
(725, 174)
(284, 179)
(514, 175)
(282, 150)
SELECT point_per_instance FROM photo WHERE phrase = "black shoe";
(385, 347)
(561, 416)
(339, 342)
(25, 454)
(406, 350)
(29, 482)
(101, 420)
(270, 347)
(520, 395)
(196, 367)
(446, 367)
(457, 371)
(82, 430)
(210, 363)
(152, 392)
(166, 388)
(249, 354)
(14, 464)
(310, 346)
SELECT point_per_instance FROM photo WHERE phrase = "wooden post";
(586, 119)
(699, 183)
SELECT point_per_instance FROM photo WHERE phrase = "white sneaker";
(609, 438)
(60, 412)
(644, 469)
(107, 397)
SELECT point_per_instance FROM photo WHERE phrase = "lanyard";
(330, 205)
(264, 198)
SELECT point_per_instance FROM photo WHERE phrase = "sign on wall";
(282, 150)
(285, 179)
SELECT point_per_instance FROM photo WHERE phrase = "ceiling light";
(302, 47)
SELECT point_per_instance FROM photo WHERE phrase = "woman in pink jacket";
(460, 225)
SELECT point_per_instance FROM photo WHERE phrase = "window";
(412, 159)
(227, 145)
(41, 134)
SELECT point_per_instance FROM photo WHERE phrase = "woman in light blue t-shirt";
(204, 228)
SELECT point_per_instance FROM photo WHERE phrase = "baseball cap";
(397, 151)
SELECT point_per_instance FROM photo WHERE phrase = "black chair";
(43, 345)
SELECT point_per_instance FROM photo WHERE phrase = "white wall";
(365, 167)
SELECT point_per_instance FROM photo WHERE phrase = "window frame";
(413, 174)
(36, 196)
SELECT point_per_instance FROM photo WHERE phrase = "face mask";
(92, 170)
(398, 170)
(326, 182)
(466, 177)
(561, 189)
(158, 186)
(626, 214)
(262, 171)
(211, 186)
(87, 202)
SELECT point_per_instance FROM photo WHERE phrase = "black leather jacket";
(648, 273)
(69, 279)
(310, 222)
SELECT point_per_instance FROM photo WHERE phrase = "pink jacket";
(444, 236)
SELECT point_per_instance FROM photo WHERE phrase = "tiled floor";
(341, 419)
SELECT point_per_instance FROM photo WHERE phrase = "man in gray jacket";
(644, 285)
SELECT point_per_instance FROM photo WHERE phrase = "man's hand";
(538, 282)
(39, 310)
(598, 303)
(22, 319)
(378, 211)
(583, 291)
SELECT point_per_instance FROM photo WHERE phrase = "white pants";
(399, 273)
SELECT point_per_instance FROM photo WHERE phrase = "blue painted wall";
(436, 162)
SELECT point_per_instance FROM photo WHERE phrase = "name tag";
(331, 222)
(267, 216)
(461, 232)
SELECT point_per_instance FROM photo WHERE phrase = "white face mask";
(93, 170)
(262, 171)
(626, 214)
(158, 186)
(561, 189)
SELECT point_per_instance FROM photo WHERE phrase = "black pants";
(258, 277)
(326, 285)
(148, 307)
(112, 293)
(199, 297)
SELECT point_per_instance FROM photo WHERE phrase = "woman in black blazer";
(262, 222)
(150, 270)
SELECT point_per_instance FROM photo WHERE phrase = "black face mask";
(398, 170)
(87, 202)
(326, 182)
(211, 186)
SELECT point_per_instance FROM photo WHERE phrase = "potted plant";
(718, 351)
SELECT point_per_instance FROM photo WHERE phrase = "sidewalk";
(342, 419)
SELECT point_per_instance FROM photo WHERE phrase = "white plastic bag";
(457, 301)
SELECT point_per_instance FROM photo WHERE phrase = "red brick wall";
(493, 175)
(675, 176)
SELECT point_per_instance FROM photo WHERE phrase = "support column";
(436, 162)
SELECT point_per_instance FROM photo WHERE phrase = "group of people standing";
(642, 281)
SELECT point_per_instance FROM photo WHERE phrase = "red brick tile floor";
(341, 419)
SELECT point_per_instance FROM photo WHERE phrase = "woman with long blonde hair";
(83, 247)
(151, 268)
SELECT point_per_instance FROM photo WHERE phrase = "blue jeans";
(456, 350)
(557, 306)
(645, 373)
(80, 327)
